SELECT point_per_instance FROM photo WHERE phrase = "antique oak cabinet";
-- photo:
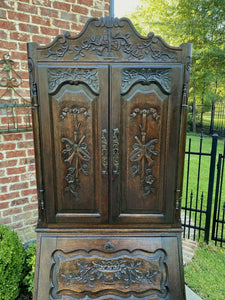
(109, 113)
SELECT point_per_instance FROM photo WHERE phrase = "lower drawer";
(109, 266)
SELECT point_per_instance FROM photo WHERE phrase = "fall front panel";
(112, 265)
(72, 120)
(147, 124)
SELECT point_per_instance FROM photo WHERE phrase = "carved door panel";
(75, 99)
(145, 139)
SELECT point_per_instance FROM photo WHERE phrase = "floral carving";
(113, 36)
(80, 272)
(142, 153)
(107, 45)
(110, 271)
(146, 76)
(75, 152)
(146, 112)
(61, 50)
(75, 111)
(57, 76)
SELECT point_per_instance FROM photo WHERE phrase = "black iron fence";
(203, 204)
(218, 225)
(207, 118)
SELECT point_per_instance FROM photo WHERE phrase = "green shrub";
(11, 263)
(189, 122)
(28, 280)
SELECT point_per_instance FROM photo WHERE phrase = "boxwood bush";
(11, 263)
(29, 267)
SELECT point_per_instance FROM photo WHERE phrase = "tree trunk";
(213, 111)
(212, 117)
(194, 110)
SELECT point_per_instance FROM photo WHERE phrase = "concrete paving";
(188, 247)
(190, 295)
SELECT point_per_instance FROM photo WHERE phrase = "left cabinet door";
(73, 112)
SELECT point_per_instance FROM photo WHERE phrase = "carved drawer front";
(96, 273)
(108, 266)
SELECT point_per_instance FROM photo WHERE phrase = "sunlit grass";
(205, 273)
(219, 118)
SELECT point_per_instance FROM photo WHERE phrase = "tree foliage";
(201, 23)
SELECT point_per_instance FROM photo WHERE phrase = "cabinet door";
(146, 103)
(74, 117)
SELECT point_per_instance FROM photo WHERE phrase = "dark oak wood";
(109, 115)
(146, 184)
(109, 265)
(75, 188)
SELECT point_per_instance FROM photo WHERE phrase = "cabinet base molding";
(99, 265)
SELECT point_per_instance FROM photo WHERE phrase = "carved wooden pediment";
(109, 39)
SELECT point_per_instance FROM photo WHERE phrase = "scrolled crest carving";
(145, 76)
(109, 22)
(62, 44)
(57, 76)
(111, 38)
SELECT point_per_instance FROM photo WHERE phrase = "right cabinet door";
(146, 104)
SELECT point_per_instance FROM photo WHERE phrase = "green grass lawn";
(205, 273)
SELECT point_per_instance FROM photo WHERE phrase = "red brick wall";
(25, 21)
(18, 200)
